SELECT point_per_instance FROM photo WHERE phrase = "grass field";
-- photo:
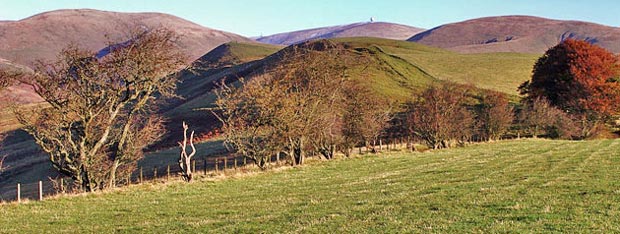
(518, 186)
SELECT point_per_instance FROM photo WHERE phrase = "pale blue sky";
(253, 18)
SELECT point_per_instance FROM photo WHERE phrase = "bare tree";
(6, 78)
(366, 116)
(538, 116)
(245, 114)
(495, 116)
(186, 159)
(295, 108)
(99, 115)
(439, 116)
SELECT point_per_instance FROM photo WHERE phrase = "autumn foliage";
(580, 79)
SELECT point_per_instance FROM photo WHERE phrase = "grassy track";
(513, 186)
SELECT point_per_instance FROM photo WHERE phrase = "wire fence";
(202, 166)
(51, 187)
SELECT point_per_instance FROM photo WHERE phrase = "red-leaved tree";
(580, 79)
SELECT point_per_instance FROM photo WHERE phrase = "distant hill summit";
(525, 34)
(365, 29)
(43, 35)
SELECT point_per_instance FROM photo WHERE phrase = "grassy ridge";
(512, 186)
(502, 72)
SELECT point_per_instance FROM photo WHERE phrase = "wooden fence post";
(62, 185)
(193, 166)
(225, 164)
(129, 179)
(154, 172)
(141, 175)
(245, 161)
(278, 158)
(216, 165)
(19, 193)
(205, 166)
(235, 164)
(40, 190)
(168, 173)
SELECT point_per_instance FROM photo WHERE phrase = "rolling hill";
(524, 34)
(43, 35)
(519, 186)
(392, 68)
(365, 29)
(388, 75)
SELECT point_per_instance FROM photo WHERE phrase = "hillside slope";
(366, 29)
(502, 72)
(393, 69)
(42, 36)
(387, 75)
(27, 165)
(519, 186)
(524, 34)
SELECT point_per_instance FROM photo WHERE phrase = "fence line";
(41, 189)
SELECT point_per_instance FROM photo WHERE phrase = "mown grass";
(518, 186)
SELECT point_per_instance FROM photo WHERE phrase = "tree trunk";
(112, 179)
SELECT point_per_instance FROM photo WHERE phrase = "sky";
(263, 17)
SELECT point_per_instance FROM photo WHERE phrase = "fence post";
(129, 179)
(154, 172)
(141, 175)
(168, 172)
(193, 166)
(380, 145)
(205, 166)
(62, 185)
(19, 193)
(225, 164)
(245, 161)
(278, 158)
(235, 164)
(40, 190)
(216, 165)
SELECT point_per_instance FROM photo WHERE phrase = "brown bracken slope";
(525, 34)
(43, 35)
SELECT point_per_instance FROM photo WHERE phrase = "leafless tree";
(296, 108)
(6, 78)
(99, 113)
(439, 117)
(538, 116)
(366, 116)
(186, 159)
(495, 116)
(245, 116)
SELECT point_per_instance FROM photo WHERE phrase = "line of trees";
(301, 107)
(310, 106)
(100, 111)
